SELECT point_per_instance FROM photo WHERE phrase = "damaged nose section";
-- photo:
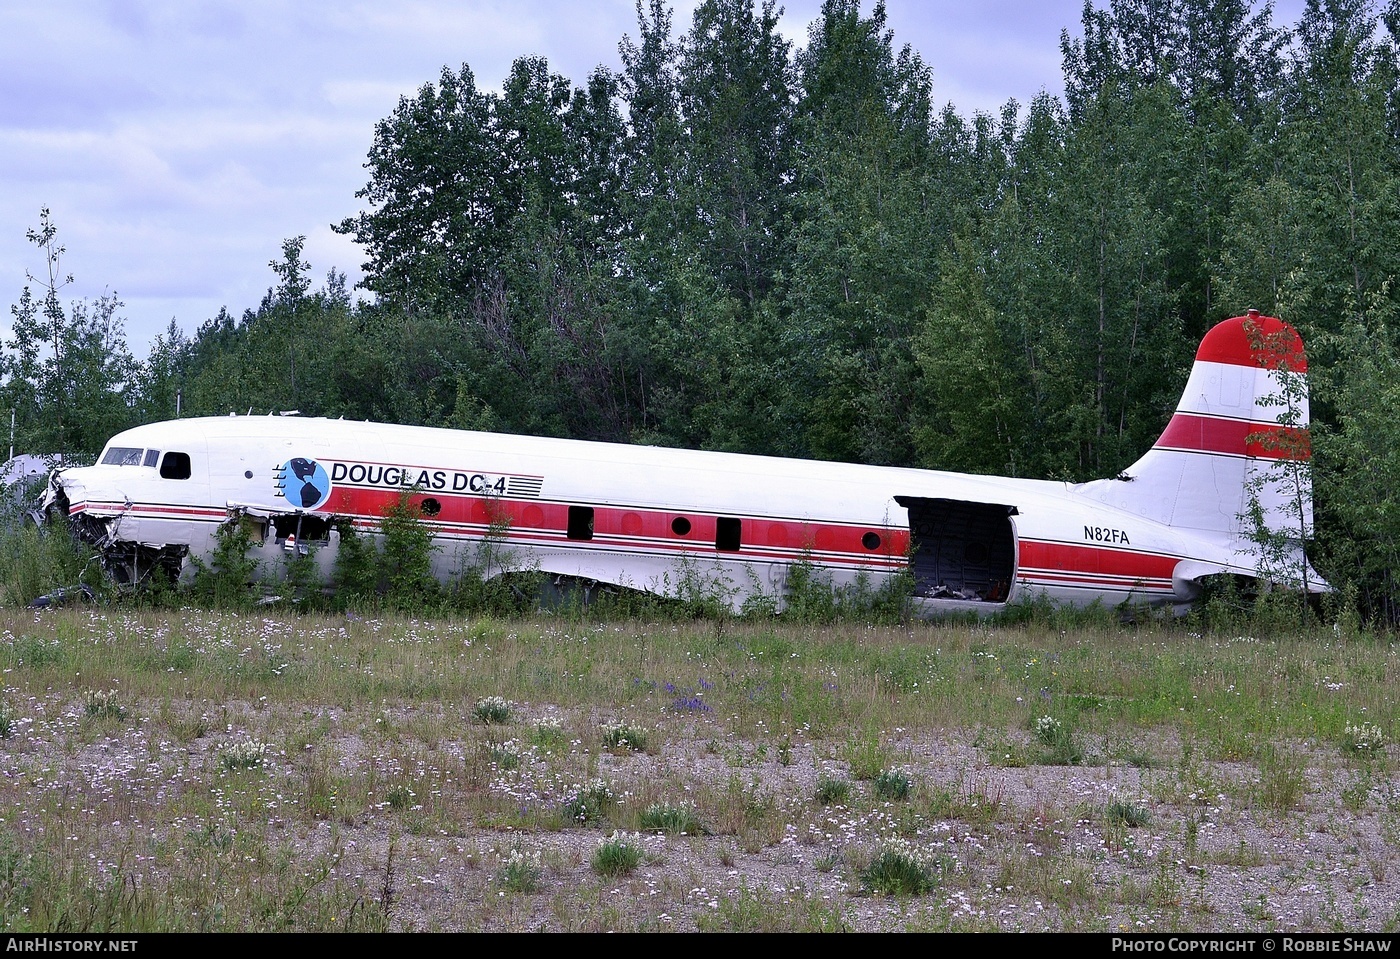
(53, 502)
(99, 523)
(55, 509)
(52, 509)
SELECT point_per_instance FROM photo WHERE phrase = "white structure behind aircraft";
(1225, 490)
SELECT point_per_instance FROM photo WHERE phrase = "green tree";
(866, 237)
(736, 107)
(1116, 385)
(406, 555)
(440, 210)
(970, 414)
(1356, 463)
(707, 180)
(66, 372)
(305, 350)
(160, 380)
(1319, 251)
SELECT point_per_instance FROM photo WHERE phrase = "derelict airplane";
(1232, 462)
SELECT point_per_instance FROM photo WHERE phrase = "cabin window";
(122, 456)
(175, 466)
(727, 530)
(870, 541)
(580, 522)
(430, 506)
(152, 457)
(680, 526)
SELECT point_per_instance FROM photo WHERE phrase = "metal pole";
(12, 432)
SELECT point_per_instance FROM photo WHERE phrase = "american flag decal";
(524, 486)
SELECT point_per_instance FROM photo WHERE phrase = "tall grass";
(36, 561)
(366, 768)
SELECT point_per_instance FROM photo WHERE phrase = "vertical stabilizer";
(1234, 461)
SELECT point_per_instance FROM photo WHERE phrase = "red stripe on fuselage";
(148, 508)
(1213, 434)
(536, 520)
(1088, 560)
(1097, 584)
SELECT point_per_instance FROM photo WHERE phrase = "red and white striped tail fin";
(1234, 460)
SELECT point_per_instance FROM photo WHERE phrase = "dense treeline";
(737, 243)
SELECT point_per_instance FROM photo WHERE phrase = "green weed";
(892, 784)
(832, 791)
(493, 710)
(867, 757)
(1281, 780)
(618, 855)
(1127, 813)
(623, 737)
(521, 872)
(589, 804)
(678, 820)
(103, 704)
(899, 869)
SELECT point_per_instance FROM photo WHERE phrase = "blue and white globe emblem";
(304, 482)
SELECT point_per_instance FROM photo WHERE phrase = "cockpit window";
(122, 456)
(152, 457)
(175, 466)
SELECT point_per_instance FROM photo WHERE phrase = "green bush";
(35, 561)
(103, 704)
(406, 556)
(812, 598)
(549, 734)
(355, 574)
(621, 737)
(243, 754)
(1062, 744)
(1127, 813)
(867, 756)
(892, 784)
(898, 869)
(521, 872)
(619, 855)
(831, 791)
(590, 804)
(223, 582)
(493, 711)
(1365, 738)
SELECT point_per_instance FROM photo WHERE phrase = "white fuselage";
(649, 518)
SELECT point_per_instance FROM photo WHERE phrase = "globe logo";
(304, 482)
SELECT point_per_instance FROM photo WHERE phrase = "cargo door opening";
(961, 550)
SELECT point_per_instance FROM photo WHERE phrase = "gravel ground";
(1018, 849)
(1304, 842)
(1153, 839)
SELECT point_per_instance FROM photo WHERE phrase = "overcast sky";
(178, 142)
